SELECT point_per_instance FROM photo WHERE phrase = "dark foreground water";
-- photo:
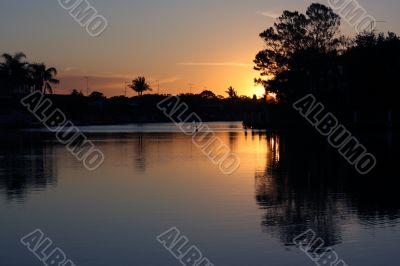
(154, 178)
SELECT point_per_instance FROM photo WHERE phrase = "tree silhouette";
(207, 94)
(295, 40)
(20, 77)
(97, 95)
(322, 28)
(43, 78)
(372, 66)
(140, 85)
(76, 93)
(232, 93)
(14, 72)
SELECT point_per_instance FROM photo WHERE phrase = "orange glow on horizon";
(272, 96)
(259, 91)
(113, 84)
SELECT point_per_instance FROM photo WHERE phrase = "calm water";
(154, 178)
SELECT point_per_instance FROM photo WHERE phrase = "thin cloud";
(170, 80)
(69, 69)
(215, 64)
(270, 14)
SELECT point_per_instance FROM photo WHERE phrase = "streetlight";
(127, 83)
(87, 86)
(158, 87)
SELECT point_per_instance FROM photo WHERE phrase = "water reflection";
(141, 154)
(26, 164)
(305, 186)
(298, 185)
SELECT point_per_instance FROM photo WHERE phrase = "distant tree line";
(139, 85)
(98, 109)
(18, 77)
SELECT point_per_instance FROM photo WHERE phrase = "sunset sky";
(209, 44)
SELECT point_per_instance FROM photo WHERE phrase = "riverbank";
(100, 110)
(281, 117)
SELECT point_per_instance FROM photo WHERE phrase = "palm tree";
(232, 93)
(43, 78)
(140, 85)
(14, 73)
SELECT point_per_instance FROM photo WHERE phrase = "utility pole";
(127, 83)
(87, 86)
(190, 87)
(158, 87)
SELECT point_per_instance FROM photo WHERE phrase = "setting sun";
(259, 91)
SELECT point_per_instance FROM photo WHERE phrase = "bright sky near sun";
(198, 44)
